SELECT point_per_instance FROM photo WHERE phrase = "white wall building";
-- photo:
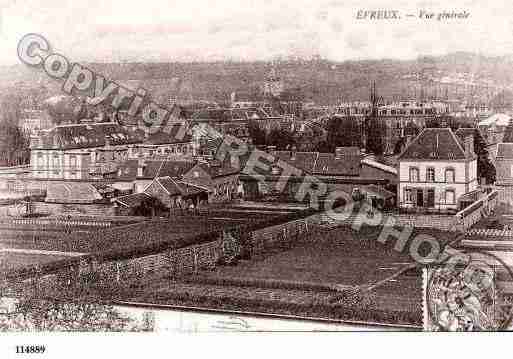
(435, 170)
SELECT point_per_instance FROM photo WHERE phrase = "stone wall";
(281, 234)
(95, 209)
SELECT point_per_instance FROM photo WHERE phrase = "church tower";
(273, 85)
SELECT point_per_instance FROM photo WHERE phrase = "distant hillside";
(325, 82)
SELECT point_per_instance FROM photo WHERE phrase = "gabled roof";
(304, 161)
(504, 151)
(217, 169)
(348, 163)
(131, 200)
(88, 135)
(175, 188)
(174, 136)
(328, 164)
(153, 168)
(434, 144)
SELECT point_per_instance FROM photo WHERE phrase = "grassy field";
(297, 281)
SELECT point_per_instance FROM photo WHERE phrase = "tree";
(485, 168)
(65, 109)
(375, 133)
(14, 143)
(257, 134)
(342, 132)
(70, 304)
(281, 138)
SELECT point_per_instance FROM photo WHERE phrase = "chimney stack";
(293, 153)
(469, 146)
(339, 153)
(409, 138)
(141, 165)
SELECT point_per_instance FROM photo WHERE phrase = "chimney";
(409, 138)
(35, 141)
(339, 153)
(469, 146)
(293, 153)
(141, 165)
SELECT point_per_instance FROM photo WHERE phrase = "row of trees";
(14, 143)
(282, 138)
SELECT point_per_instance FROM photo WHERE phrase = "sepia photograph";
(189, 167)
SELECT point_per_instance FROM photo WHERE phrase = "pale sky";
(201, 30)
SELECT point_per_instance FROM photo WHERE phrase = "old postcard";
(255, 166)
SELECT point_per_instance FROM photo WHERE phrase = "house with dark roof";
(436, 169)
(80, 151)
(160, 197)
(138, 174)
(221, 179)
(344, 170)
(176, 193)
(175, 142)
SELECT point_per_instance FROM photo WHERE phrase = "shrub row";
(272, 306)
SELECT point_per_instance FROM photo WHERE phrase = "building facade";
(435, 170)
(80, 151)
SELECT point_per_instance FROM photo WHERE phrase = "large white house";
(80, 151)
(435, 170)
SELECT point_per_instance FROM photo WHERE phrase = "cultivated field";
(299, 281)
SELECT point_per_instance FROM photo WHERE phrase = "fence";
(461, 221)
(278, 235)
(489, 232)
(483, 207)
(50, 223)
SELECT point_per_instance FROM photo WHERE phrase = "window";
(449, 175)
(408, 195)
(55, 161)
(72, 161)
(511, 171)
(449, 196)
(430, 174)
(414, 174)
